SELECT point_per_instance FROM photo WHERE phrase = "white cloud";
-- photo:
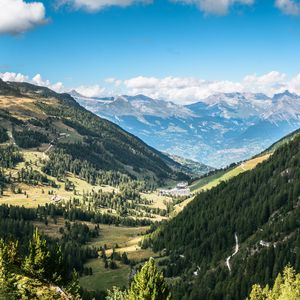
(289, 7)
(88, 91)
(10, 76)
(113, 81)
(181, 90)
(37, 80)
(91, 91)
(96, 5)
(269, 83)
(216, 7)
(188, 89)
(18, 16)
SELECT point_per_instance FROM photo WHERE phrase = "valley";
(61, 172)
(149, 150)
(70, 176)
(218, 130)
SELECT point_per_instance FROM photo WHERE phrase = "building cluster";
(181, 190)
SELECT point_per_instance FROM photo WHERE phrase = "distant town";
(181, 190)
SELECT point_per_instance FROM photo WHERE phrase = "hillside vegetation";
(69, 172)
(36, 117)
(286, 287)
(209, 181)
(254, 216)
(215, 177)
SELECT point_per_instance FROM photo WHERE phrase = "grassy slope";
(208, 183)
(127, 239)
(38, 195)
(103, 279)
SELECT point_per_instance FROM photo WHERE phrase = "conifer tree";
(3, 265)
(74, 287)
(286, 287)
(116, 294)
(6, 278)
(149, 284)
(36, 263)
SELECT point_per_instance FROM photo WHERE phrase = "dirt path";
(234, 253)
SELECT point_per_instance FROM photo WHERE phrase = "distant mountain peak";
(286, 93)
(74, 93)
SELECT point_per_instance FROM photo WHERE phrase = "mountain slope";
(36, 117)
(219, 130)
(215, 177)
(190, 166)
(254, 216)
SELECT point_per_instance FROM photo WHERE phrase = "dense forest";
(39, 273)
(17, 223)
(35, 274)
(261, 207)
(286, 286)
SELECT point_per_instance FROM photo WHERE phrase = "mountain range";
(217, 131)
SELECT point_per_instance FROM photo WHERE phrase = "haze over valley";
(217, 131)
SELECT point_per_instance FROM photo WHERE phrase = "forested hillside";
(86, 184)
(241, 232)
(35, 116)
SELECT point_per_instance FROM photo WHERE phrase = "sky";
(179, 50)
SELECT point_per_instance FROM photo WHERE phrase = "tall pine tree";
(37, 261)
(149, 284)
(286, 287)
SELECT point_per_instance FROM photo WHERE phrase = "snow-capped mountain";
(217, 131)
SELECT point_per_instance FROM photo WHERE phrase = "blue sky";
(161, 39)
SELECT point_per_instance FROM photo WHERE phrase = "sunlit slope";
(209, 182)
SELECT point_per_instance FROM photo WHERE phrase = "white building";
(181, 190)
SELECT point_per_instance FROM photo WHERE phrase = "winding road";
(234, 253)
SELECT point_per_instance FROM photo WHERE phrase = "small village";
(181, 190)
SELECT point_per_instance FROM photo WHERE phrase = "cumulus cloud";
(113, 81)
(96, 5)
(10, 76)
(91, 91)
(37, 80)
(85, 90)
(188, 89)
(18, 16)
(289, 7)
(181, 90)
(216, 7)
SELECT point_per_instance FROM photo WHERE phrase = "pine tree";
(116, 294)
(3, 265)
(286, 287)
(149, 284)
(36, 263)
(7, 279)
(125, 259)
(74, 287)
